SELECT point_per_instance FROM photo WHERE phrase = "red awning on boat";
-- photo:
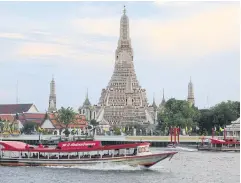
(76, 147)
(13, 145)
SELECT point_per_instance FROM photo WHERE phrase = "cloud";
(31, 50)
(41, 33)
(46, 51)
(208, 31)
(11, 35)
(205, 33)
(97, 26)
(162, 3)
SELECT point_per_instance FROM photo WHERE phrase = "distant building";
(7, 117)
(154, 110)
(17, 108)
(87, 109)
(52, 97)
(190, 97)
(124, 102)
(233, 130)
(52, 124)
(163, 102)
(36, 118)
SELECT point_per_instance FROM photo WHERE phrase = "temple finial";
(124, 10)
(163, 95)
(87, 93)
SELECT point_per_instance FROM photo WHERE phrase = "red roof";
(79, 122)
(8, 117)
(14, 108)
(31, 117)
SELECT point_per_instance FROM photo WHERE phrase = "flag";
(186, 129)
(221, 129)
(40, 129)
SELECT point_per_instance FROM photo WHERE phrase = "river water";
(184, 167)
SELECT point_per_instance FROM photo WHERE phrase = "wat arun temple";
(123, 101)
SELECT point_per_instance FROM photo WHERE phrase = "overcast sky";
(76, 42)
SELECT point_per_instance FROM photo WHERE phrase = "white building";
(233, 130)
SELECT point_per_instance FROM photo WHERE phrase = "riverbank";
(156, 141)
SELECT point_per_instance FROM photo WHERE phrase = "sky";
(76, 41)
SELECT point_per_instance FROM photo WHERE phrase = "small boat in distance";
(225, 144)
(214, 144)
(171, 146)
(13, 153)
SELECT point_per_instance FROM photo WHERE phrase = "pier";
(156, 141)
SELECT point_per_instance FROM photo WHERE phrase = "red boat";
(13, 153)
(215, 144)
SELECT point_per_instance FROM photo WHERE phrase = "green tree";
(1, 125)
(28, 127)
(205, 122)
(117, 131)
(94, 122)
(66, 116)
(178, 113)
(217, 116)
(225, 112)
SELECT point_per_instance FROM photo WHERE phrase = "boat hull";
(143, 160)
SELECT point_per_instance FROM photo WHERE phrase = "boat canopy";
(227, 141)
(83, 146)
(13, 145)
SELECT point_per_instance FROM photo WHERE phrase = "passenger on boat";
(135, 151)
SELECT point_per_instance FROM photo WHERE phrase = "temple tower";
(87, 109)
(155, 109)
(52, 97)
(123, 100)
(163, 102)
(190, 97)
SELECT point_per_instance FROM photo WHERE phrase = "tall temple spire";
(124, 100)
(124, 26)
(190, 97)
(124, 42)
(163, 99)
(87, 101)
(154, 102)
(163, 95)
(52, 96)
(124, 10)
(87, 96)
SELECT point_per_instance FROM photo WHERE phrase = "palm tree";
(66, 116)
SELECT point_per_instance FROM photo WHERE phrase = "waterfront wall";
(183, 139)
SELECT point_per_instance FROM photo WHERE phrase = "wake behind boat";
(13, 153)
(180, 148)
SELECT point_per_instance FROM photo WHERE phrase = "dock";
(156, 141)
